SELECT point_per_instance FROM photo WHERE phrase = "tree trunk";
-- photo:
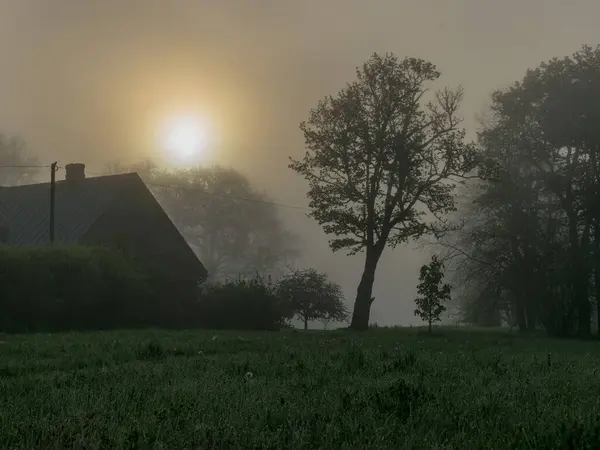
(597, 274)
(531, 318)
(580, 279)
(430, 325)
(305, 323)
(521, 318)
(584, 316)
(362, 304)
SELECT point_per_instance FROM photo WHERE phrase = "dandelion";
(249, 376)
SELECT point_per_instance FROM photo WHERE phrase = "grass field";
(385, 389)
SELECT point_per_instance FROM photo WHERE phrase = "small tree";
(432, 293)
(311, 296)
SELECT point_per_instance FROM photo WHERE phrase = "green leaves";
(382, 152)
(528, 257)
(432, 293)
(312, 296)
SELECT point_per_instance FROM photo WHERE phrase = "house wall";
(137, 224)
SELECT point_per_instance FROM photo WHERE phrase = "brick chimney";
(75, 172)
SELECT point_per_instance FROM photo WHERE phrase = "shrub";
(70, 288)
(244, 304)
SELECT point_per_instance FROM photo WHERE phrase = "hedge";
(71, 288)
(242, 305)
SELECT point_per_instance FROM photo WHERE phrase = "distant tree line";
(529, 251)
(234, 228)
(19, 165)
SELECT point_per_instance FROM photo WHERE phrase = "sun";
(185, 138)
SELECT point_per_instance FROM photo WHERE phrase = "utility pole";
(53, 169)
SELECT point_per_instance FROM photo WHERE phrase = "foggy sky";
(87, 80)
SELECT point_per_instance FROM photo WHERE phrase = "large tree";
(235, 228)
(383, 157)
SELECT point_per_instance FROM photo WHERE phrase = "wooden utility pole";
(53, 169)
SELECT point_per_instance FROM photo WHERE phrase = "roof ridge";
(77, 207)
(63, 181)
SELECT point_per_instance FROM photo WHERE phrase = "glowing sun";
(185, 138)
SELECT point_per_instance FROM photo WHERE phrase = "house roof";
(26, 209)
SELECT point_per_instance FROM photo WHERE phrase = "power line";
(24, 167)
(214, 194)
(165, 186)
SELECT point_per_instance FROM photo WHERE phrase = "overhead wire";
(165, 186)
(24, 167)
(215, 194)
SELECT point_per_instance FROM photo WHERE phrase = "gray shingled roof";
(26, 209)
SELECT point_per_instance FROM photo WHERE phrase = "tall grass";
(395, 389)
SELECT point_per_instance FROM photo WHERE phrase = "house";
(114, 210)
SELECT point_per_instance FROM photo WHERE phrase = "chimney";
(75, 172)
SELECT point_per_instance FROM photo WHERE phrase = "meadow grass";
(383, 389)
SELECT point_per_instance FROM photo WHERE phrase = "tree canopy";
(233, 227)
(311, 296)
(382, 161)
(433, 292)
(532, 244)
(14, 153)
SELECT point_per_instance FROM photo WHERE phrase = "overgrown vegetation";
(387, 389)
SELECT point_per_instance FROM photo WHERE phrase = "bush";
(243, 305)
(70, 288)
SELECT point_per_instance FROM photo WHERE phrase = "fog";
(89, 81)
